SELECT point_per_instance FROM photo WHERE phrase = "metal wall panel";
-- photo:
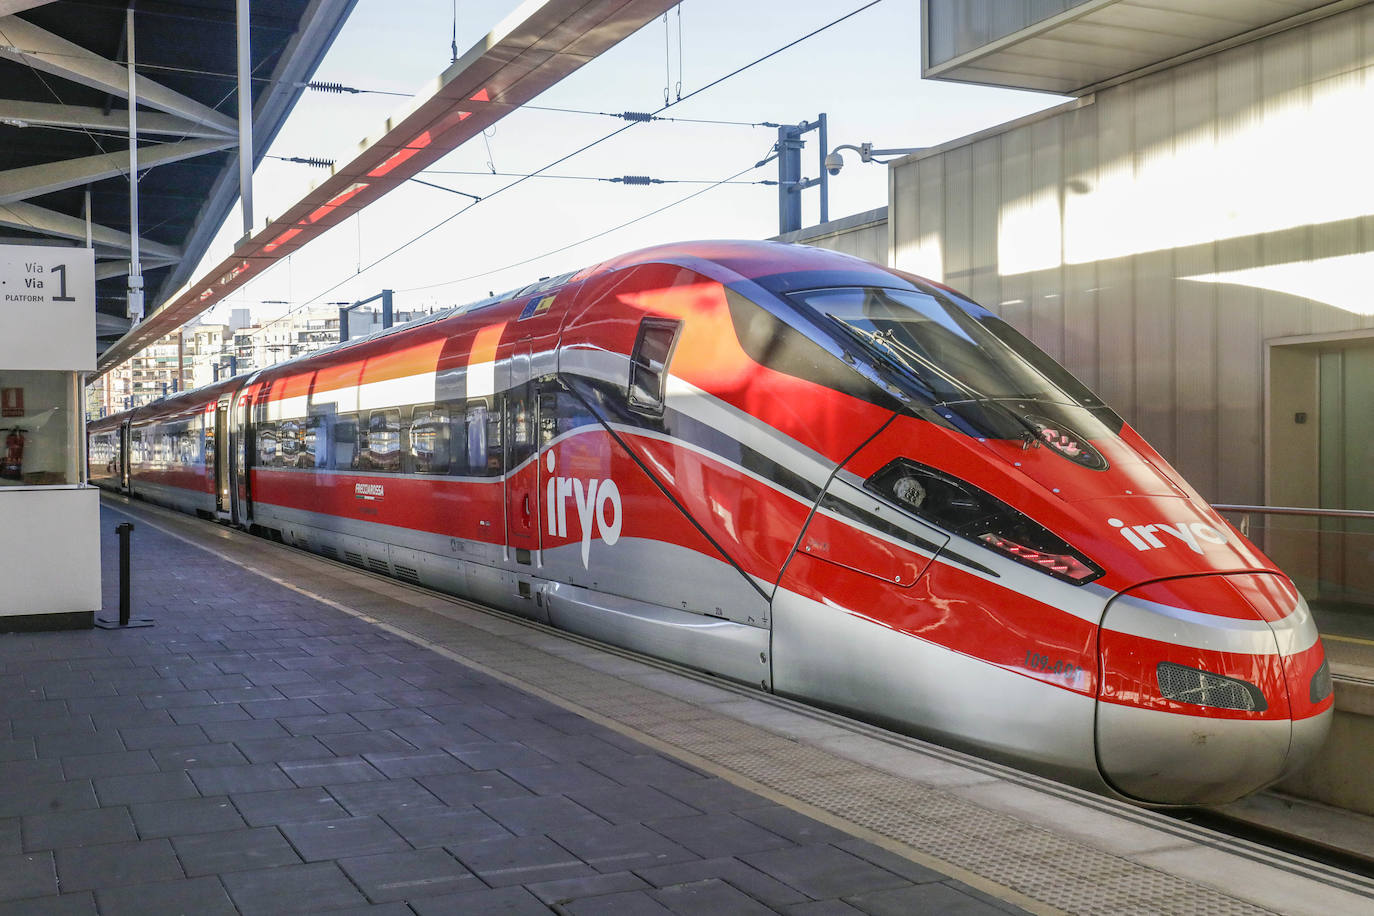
(1192, 215)
(958, 227)
(1111, 200)
(1016, 229)
(986, 285)
(955, 27)
(1239, 426)
(1047, 281)
(1153, 274)
(1081, 344)
(1194, 303)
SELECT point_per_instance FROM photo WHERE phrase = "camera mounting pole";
(790, 182)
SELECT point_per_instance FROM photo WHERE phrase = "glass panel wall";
(40, 428)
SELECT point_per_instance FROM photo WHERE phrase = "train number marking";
(1037, 662)
(598, 508)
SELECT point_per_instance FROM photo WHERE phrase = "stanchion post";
(124, 530)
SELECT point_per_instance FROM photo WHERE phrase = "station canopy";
(64, 125)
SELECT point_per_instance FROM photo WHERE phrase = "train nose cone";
(1202, 679)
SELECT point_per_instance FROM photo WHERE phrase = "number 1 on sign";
(61, 271)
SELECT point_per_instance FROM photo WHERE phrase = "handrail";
(1289, 510)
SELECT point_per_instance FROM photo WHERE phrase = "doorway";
(1320, 453)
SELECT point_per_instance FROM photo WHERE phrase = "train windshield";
(980, 368)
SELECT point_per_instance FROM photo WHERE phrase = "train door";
(241, 447)
(221, 459)
(521, 470)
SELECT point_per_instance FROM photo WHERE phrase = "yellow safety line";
(1354, 639)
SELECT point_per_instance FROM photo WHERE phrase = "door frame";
(223, 490)
(520, 375)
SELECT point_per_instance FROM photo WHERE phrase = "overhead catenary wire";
(582, 241)
(619, 179)
(577, 152)
(646, 116)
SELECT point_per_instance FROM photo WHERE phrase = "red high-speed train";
(795, 469)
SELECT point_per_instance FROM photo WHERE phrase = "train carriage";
(795, 469)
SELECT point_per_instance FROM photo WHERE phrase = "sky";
(864, 73)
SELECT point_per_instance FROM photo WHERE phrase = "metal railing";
(1328, 553)
(1247, 511)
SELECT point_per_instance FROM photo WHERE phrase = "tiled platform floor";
(257, 751)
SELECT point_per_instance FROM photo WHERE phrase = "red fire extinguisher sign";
(11, 402)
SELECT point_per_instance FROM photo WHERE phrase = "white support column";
(245, 118)
(135, 301)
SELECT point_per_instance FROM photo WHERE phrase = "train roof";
(777, 266)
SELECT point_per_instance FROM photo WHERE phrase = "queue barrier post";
(125, 619)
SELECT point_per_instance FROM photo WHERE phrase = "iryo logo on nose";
(594, 499)
(1142, 537)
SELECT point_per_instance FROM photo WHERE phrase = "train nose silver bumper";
(1228, 736)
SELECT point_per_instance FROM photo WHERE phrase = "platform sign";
(47, 307)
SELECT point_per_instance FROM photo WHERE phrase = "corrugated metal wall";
(1154, 237)
(958, 26)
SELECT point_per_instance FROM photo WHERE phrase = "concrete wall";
(863, 235)
(1152, 237)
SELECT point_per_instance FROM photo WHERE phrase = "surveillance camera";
(833, 163)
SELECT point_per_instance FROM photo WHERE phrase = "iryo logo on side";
(595, 499)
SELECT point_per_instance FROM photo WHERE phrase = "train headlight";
(1321, 686)
(910, 491)
(1068, 443)
(960, 507)
(1203, 688)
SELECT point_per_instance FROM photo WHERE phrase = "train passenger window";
(560, 412)
(288, 443)
(267, 445)
(345, 428)
(380, 449)
(310, 455)
(649, 363)
(520, 432)
(429, 440)
(483, 437)
(187, 446)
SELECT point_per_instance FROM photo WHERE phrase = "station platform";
(295, 735)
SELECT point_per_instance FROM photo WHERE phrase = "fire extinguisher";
(12, 465)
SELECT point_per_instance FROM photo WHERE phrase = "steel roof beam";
(10, 7)
(319, 25)
(60, 225)
(28, 44)
(33, 180)
(50, 114)
(107, 270)
(533, 49)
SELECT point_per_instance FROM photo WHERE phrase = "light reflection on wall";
(1293, 160)
(1342, 281)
